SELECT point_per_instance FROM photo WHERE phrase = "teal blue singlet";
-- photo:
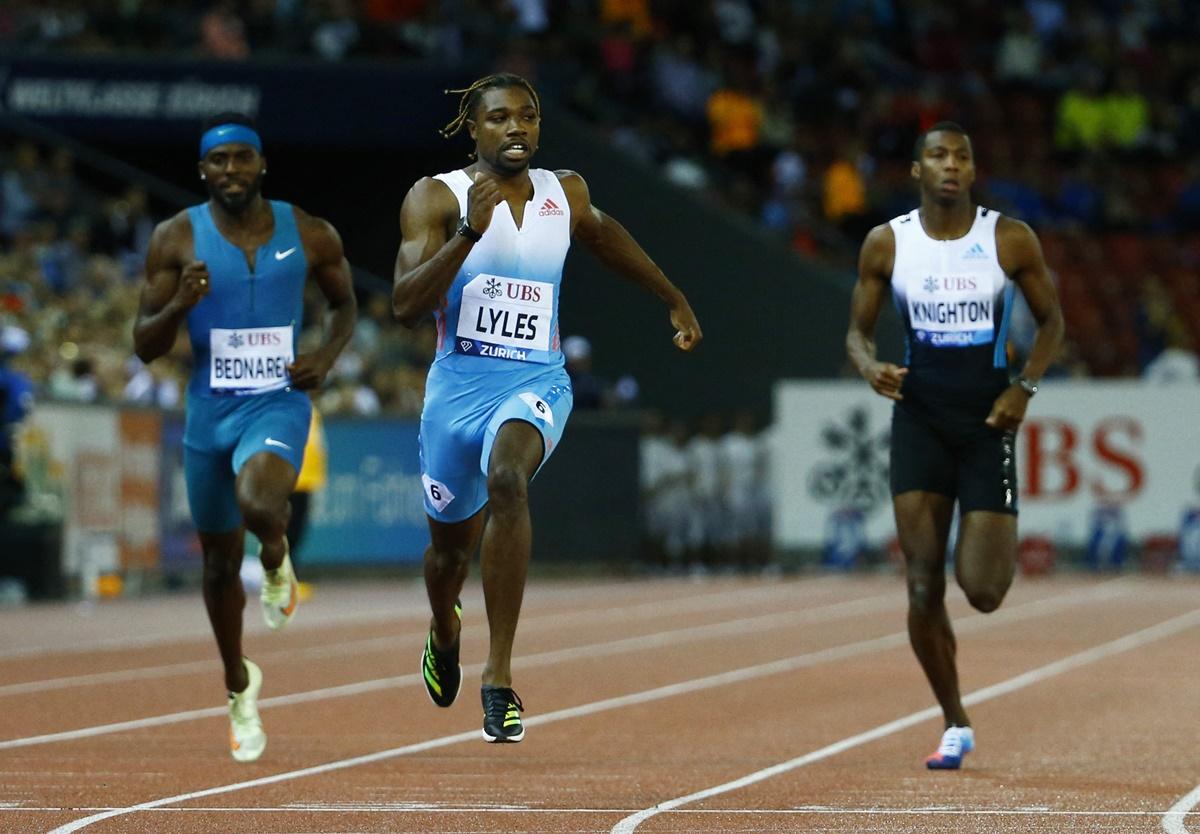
(243, 333)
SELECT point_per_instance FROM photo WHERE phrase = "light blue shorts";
(222, 433)
(463, 413)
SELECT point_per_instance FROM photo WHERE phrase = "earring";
(203, 177)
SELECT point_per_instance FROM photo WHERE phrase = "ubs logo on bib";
(236, 340)
(493, 289)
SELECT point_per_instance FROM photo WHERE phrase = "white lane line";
(647, 696)
(1173, 820)
(387, 610)
(731, 628)
(1075, 661)
(730, 598)
(419, 807)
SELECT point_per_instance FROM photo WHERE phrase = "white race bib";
(506, 318)
(952, 310)
(249, 360)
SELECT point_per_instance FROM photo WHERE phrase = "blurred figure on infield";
(953, 268)
(234, 269)
(314, 473)
(483, 250)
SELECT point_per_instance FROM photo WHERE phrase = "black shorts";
(954, 454)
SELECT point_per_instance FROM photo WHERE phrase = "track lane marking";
(1173, 820)
(535, 623)
(695, 685)
(1167, 628)
(660, 639)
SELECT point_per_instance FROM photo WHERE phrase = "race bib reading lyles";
(506, 318)
(249, 360)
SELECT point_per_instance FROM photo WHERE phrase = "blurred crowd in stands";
(72, 262)
(801, 113)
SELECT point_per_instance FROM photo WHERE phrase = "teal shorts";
(222, 433)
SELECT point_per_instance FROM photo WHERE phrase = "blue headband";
(224, 134)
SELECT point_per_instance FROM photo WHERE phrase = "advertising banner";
(296, 102)
(180, 546)
(141, 444)
(1086, 448)
(371, 510)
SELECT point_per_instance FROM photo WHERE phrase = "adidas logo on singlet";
(975, 253)
(550, 207)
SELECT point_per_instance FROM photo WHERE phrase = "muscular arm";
(430, 255)
(327, 265)
(1021, 258)
(162, 308)
(875, 262)
(615, 247)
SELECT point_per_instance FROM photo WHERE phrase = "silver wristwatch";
(1028, 386)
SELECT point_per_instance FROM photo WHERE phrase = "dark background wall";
(346, 143)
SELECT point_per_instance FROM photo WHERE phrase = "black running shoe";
(440, 668)
(502, 714)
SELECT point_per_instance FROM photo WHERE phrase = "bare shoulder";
(321, 240)
(431, 194)
(878, 253)
(172, 237)
(573, 184)
(1016, 243)
(1012, 230)
(312, 228)
(880, 239)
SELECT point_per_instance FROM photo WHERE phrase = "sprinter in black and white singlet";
(953, 268)
(482, 250)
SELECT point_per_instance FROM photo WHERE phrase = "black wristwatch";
(1028, 386)
(464, 229)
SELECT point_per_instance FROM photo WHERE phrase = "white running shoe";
(280, 594)
(246, 737)
(957, 742)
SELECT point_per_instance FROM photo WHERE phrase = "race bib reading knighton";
(249, 360)
(952, 311)
(506, 318)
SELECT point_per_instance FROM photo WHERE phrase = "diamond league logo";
(856, 475)
(466, 345)
(236, 340)
(493, 288)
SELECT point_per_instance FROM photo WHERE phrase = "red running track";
(653, 706)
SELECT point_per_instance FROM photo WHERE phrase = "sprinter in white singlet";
(953, 268)
(483, 249)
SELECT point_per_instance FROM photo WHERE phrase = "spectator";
(588, 391)
(16, 401)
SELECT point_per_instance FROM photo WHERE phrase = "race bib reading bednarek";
(249, 360)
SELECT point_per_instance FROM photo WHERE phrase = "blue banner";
(371, 509)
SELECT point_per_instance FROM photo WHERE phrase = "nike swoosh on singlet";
(270, 441)
(279, 256)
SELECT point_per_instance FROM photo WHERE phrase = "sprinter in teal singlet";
(234, 268)
(483, 250)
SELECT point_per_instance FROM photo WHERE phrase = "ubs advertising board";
(1083, 445)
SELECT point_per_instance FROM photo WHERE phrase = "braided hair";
(470, 96)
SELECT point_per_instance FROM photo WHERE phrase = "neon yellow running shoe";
(440, 668)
